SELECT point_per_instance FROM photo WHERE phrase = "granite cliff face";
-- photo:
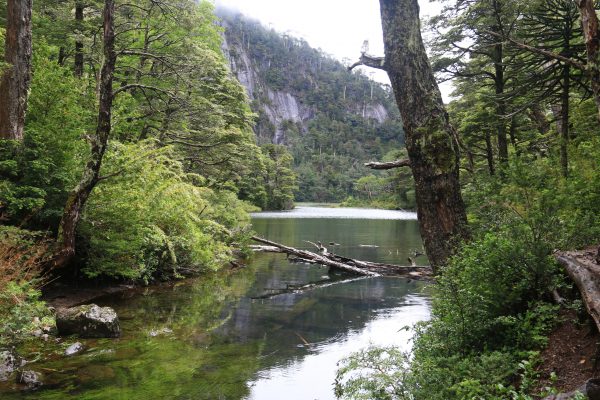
(330, 120)
(276, 101)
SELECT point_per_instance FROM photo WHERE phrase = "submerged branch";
(357, 267)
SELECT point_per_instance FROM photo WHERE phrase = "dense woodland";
(135, 158)
(128, 153)
(504, 178)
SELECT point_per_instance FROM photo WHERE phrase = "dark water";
(244, 335)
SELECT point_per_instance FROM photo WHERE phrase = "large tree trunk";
(14, 84)
(430, 139)
(91, 174)
(537, 116)
(589, 23)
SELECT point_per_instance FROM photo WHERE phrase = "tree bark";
(586, 275)
(91, 174)
(564, 120)
(489, 153)
(589, 23)
(537, 116)
(430, 139)
(15, 80)
(78, 64)
(500, 103)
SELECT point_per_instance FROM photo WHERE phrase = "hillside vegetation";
(331, 120)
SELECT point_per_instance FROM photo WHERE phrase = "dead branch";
(365, 268)
(369, 61)
(306, 287)
(389, 164)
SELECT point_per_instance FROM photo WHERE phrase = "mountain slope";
(330, 119)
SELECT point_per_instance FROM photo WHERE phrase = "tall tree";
(431, 140)
(591, 34)
(470, 28)
(99, 142)
(15, 81)
(78, 64)
(543, 80)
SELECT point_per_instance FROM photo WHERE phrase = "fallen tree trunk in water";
(350, 265)
(582, 268)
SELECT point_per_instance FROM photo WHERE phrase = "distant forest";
(338, 119)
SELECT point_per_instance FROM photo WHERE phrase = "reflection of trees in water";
(191, 362)
(322, 315)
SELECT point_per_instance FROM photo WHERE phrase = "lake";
(247, 334)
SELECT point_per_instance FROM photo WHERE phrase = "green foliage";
(155, 219)
(21, 312)
(347, 119)
(279, 180)
(374, 373)
(36, 174)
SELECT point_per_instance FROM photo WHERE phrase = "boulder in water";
(31, 379)
(73, 349)
(88, 321)
(9, 362)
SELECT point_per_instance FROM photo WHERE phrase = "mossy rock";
(88, 321)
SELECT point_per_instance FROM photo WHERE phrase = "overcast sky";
(338, 27)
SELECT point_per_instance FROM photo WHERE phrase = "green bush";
(153, 219)
(21, 311)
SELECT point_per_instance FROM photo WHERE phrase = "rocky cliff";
(252, 53)
(331, 120)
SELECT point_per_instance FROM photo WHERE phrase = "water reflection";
(304, 211)
(225, 336)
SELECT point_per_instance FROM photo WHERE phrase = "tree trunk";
(489, 152)
(14, 83)
(536, 115)
(91, 174)
(589, 23)
(78, 65)
(500, 103)
(564, 129)
(430, 139)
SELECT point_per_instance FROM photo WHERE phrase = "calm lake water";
(245, 334)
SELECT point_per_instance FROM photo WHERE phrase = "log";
(305, 254)
(269, 249)
(586, 275)
(358, 267)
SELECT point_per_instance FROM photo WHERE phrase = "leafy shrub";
(21, 312)
(374, 373)
(154, 219)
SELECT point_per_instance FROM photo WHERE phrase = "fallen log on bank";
(350, 265)
(581, 266)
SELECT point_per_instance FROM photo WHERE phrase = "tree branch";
(389, 164)
(369, 61)
(547, 54)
